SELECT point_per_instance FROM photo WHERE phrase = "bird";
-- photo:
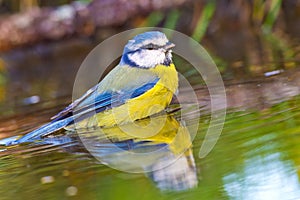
(142, 84)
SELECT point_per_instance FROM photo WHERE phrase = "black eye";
(150, 47)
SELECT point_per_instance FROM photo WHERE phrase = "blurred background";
(255, 44)
(43, 41)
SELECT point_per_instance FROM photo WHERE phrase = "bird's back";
(152, 101)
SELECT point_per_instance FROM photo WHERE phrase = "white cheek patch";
(147, 58)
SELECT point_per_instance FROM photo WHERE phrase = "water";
(256, 157)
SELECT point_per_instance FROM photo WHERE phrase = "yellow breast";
(153, 101)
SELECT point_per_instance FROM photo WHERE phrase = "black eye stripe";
(148, 47)
(151, 46)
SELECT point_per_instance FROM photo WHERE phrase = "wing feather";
(112, 90)
(102, 102)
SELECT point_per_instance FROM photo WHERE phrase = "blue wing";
(101, 102)
(85, 107)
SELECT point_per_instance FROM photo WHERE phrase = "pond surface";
(256, 157)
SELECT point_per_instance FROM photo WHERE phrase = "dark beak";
(169, 45)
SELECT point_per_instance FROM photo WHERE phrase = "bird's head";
(147, 50)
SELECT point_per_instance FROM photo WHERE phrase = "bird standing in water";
(142, 84)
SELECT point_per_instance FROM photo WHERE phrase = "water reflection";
(264, 178)
(165, 156)
(268, 170)
(159, 146)
(256, 156)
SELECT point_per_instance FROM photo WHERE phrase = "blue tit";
(142, 84)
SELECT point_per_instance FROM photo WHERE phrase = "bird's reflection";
(159, 146)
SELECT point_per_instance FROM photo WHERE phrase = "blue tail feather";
(44, 130)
